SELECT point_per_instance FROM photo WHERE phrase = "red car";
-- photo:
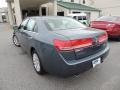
(111, 24)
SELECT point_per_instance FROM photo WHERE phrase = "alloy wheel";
(36, 62)
(15, 41)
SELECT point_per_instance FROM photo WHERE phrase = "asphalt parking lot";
(17, 72)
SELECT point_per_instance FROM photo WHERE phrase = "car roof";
(46, 17)
(81, 14)
(111, 16)
(107, 17)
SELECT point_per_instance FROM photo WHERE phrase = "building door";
(30, 12)
(43, 11)
(4, 18)
(60, 13)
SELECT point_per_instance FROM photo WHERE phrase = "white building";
(3, 15)
(108, 7)
(19, 9)
(78, 6)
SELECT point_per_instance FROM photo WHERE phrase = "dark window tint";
(75, 17)
(79, 18)
(84, 18)
(31, 25)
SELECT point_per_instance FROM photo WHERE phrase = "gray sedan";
(61, 45)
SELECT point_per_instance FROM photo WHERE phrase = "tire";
(15, 41)
(37, 63)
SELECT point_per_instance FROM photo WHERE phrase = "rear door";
(27, 33)
(20, 31)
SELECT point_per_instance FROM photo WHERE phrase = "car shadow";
(113, 40)
(75, 78)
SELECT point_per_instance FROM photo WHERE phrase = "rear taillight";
(63, 45)
(68, 45)
(116, 29)
(102, 38)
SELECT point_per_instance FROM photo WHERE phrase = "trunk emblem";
(95, 42)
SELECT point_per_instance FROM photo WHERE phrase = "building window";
(72, 0)
(84, 2)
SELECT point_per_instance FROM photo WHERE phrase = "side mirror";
(15, 27)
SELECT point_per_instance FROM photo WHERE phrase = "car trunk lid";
(87, 38)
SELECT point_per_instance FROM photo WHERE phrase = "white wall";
(60, 9)
(90, 3)
(49, 7)
(18, 12)
(94, 15)
(0, 17)
(108, 7)
(111, 12)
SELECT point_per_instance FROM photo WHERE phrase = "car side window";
(30, 25)
(36, 28)
(24, 23)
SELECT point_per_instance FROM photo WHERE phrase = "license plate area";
(96, 62)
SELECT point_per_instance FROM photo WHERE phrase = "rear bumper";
(64, 68)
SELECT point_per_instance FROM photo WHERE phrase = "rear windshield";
(110, 19)
(63, 23)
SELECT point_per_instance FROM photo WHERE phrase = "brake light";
(117, 28)
(62, 45)
(102, 38)
(69, 45)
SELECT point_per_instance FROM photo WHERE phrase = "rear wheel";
(15, 41)
(37, 63)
